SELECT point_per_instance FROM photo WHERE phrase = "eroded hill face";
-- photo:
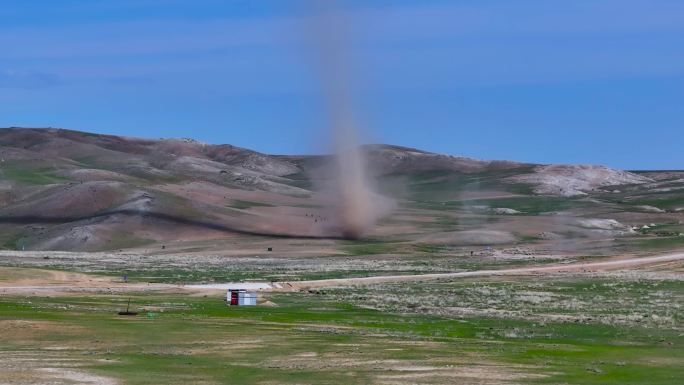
(68, 190)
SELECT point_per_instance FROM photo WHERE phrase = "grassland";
(194, 226)
(30, 176)
(182, 268)
(380, 334)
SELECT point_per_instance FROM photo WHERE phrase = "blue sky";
(541, 81)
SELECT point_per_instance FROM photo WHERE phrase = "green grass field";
(377, 334)
(30, 176)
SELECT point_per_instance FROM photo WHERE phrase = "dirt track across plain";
(612, 264)
(108, 285)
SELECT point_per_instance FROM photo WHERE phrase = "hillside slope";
(69, 190)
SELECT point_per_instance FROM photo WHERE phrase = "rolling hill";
(69, 190)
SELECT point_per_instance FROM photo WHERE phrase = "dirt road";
(84, 283)
(619, 263)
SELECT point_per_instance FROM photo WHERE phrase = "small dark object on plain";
(270, 249)
(128, 312)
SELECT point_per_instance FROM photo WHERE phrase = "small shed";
(241, 297)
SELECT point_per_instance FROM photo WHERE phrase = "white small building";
(241, 297)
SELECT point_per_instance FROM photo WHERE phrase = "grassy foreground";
(334, 337)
